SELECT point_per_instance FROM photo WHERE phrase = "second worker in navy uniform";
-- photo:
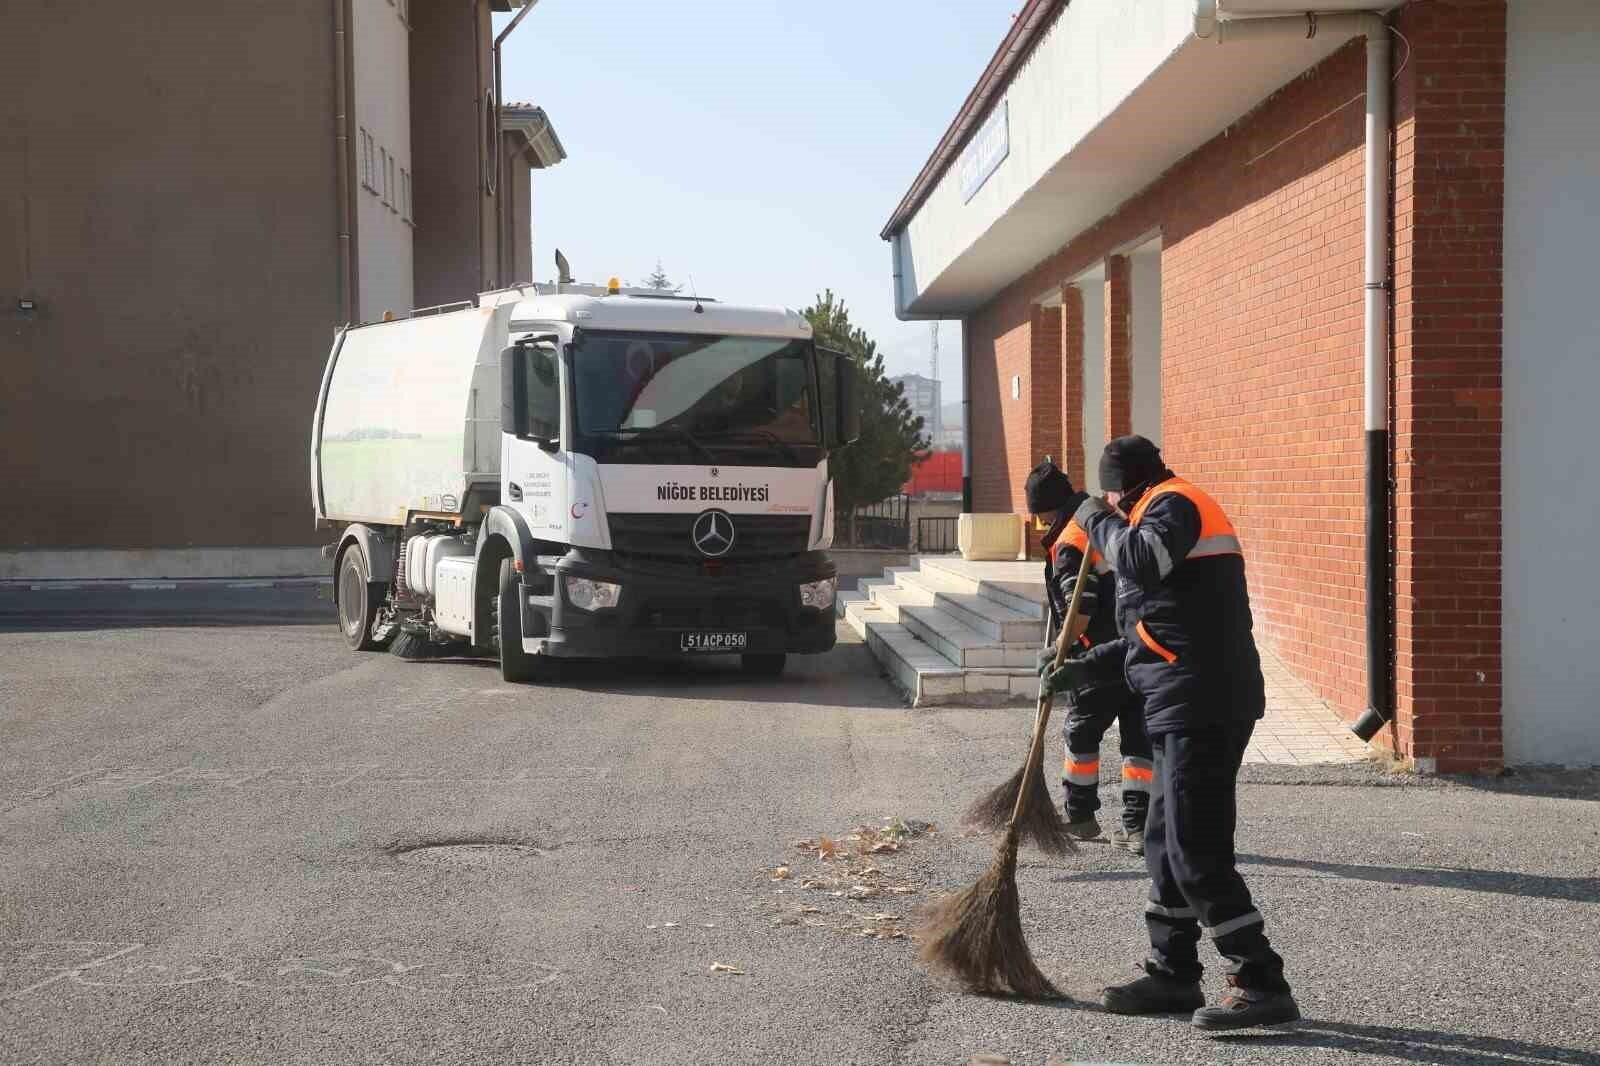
(1095, 704)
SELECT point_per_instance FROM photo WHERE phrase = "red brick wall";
(1071, 457)
(1449, 190)
(1000, 347)
(1261, 355)
(1118, 305)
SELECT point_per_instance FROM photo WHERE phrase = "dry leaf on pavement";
(722, 967)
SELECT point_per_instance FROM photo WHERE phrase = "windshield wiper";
(764, 434)
(636, 432)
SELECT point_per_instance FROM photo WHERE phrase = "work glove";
(1090, 507)
(1068, 677)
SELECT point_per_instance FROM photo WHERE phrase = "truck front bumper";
(662, 602)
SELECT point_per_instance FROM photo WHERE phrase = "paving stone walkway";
(1299, 727)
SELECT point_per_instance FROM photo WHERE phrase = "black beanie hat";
(1048, 489)
(1129, 462)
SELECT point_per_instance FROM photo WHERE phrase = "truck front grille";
(667, 536)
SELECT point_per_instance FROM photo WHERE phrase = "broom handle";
(1041, 717)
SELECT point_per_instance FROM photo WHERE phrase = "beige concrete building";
(193, 196)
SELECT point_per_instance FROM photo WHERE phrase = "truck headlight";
(589, 595)
(818, 594)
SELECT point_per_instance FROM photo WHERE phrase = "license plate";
(712, 642)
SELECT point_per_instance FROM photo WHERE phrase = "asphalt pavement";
(245, 843)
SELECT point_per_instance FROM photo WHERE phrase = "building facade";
(1152, 217)
(193, 197)
(923, 394)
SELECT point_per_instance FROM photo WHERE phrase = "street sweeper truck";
(543, 476)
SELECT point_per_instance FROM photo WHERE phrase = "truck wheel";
(516, 665)
(358, 607)
(768, 665)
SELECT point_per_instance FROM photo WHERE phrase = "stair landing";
(949, 631)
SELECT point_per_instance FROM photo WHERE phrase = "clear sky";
(758, 145)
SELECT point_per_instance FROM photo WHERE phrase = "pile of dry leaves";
(848, 869)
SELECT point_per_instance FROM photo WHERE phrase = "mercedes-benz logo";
(712, 533)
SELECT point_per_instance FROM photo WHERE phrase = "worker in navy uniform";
(1183, 611)
(1093, 706)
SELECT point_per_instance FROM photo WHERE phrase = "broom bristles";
(976, 936)
(1039, 824)
(414, 647)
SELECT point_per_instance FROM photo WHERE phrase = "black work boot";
(1153, 993)
(1129, 839)
(1244, 1007)
(1082, 826)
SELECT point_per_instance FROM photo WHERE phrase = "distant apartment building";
(922, 393)
(193, 197)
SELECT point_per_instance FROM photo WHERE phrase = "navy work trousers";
(1188, 849)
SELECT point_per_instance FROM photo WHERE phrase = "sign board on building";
(986, 151)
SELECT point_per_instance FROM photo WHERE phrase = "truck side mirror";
(530, 391)
(841, 400)
(513, 418)
(849, 401)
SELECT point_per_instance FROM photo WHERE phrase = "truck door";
(531, 416)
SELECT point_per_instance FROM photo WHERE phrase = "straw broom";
(1041, 823)
(976, 935)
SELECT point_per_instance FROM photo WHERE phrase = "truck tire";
(358, 606)
(767, 665)
(516, 665)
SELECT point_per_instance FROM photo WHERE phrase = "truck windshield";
(698, 392)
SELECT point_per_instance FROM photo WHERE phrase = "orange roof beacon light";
(613, 287)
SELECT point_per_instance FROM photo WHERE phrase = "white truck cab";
(547, 476)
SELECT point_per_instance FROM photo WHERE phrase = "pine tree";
(879, 463)
(659, 281)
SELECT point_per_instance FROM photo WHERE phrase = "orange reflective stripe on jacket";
(1077, 537)
(1217, 535)
(1153, 644)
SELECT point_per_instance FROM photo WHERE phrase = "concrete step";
(858, 613)
(995, 620)
(925, 676)
(1024, 597)
(894, 598)
(928, 678)
(867, 584)
(1019, 586)
(845, 599)
(934, 581)
(961, 644)
(959, 569)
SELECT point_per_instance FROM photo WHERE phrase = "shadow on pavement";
(184, 605)
(89, 624)
(1544, 781)
(1503, 882)
(847, 676)
(1413, 1045)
